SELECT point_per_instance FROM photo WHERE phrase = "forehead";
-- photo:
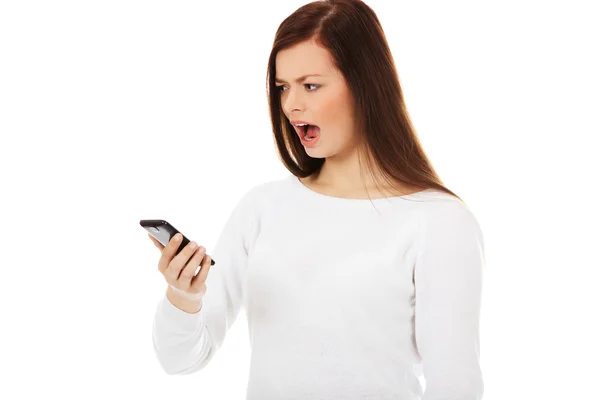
(303, 58)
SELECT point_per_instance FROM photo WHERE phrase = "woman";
(354, 285)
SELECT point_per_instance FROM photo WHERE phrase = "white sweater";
(345, 298)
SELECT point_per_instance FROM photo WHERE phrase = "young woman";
(354, 284)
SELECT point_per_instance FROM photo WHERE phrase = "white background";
(116, 111)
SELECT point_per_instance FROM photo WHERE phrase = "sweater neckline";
(325, 197)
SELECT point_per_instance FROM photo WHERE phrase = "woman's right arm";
(185, 341)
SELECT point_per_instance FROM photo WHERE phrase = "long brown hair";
(352, 33)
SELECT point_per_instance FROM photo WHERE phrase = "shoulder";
(267, 191)
(257, 195)
(263, 190)
(450, 220)
(441, 207)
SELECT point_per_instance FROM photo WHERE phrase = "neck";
(345, 177)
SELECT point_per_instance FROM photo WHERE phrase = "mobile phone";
(163, 231)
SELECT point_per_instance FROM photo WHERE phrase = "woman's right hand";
(179, 269)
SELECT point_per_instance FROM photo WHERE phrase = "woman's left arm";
(448, 285)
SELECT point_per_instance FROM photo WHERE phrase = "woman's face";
(324, 100)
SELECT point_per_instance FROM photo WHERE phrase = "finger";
(188, 272)
(200, 278)
(168, 252)
(180, 260)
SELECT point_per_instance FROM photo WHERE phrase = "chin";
(314, 153)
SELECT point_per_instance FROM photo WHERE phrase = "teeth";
(301, 124)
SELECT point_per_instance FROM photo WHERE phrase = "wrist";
(189, 304)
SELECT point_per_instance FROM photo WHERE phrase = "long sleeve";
(448, 283)
(185, 343)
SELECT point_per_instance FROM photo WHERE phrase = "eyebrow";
(298, 80)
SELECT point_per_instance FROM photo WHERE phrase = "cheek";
(335, 111)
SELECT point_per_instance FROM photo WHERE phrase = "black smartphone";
(163, 231)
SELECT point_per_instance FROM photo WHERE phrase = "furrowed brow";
(298, 80)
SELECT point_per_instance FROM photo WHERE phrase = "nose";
(292, 100)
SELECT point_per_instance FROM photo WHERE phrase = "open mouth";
(308, 132)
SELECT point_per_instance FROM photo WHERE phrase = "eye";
(306, 84)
